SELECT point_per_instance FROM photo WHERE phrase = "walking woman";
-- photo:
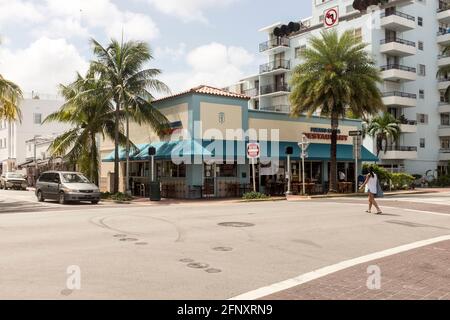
(371, 185)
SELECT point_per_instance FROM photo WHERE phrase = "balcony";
(399, 99)
(398, 47)
(397, 21)
(399, 153)
(398, 73)
(275, 67)
(278, 108)
(444, 155)
(443, 13)
(443, 83)
(275, 46)
(444, 131)
(275, 90)
(444, 59)
(443, 37)
(444, 107)
(253, 92)
(408, 126)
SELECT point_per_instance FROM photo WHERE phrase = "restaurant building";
(204, 155)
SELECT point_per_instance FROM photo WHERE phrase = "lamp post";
(304, 145)
(289, 152)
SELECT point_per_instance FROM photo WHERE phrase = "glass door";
(209, 182)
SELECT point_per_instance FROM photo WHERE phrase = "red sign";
(253, 150)
(324, 136)
(331, 17)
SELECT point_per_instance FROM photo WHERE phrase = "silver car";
(12, 180)
(65, 187)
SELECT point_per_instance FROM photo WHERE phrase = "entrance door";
(209, 180)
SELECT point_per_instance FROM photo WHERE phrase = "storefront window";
(227, 170)
(171, 170)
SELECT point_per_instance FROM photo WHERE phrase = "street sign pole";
(304, 145)
(357, 141)
(254, 175)
(253, 152)
(303, 172)
(289, 192)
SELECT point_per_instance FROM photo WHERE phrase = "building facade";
(205, 155)
(406, 39)
(14, 149)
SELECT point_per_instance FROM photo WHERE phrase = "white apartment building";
(406, 39)
(14, 149)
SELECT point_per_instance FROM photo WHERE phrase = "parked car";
(66, 187)
(12, 180)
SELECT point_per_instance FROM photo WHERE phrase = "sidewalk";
(419, 274)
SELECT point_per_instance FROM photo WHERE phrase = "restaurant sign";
(324, 134)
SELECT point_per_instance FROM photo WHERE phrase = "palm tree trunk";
(94, 160)
(116, 148)
(127, 182)
(333, 154)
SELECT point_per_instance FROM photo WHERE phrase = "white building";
(14, 149)
(406, 39)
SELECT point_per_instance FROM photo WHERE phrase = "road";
(188, 251)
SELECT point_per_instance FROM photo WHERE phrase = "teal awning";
(318, 151)
(164, 151)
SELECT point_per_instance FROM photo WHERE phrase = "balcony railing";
(444, 55)
(271, 88)
(443, 79)
(443, 6)
(398, 14)
(443, 31)
(253, 92)
(408, 122)
(278, 108)
(401, 148)
(444, 150)
(399, 94)
(398, 67)
(275, 65)
(398, 40)
(274, 43)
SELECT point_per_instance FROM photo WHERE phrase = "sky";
(213, 42)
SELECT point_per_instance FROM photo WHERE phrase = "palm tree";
(89, 116)
(10, 95)
(121, 67)
(385, 128)
(337, 75)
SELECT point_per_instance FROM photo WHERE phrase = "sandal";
(368, 211)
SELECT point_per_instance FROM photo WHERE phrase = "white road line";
(429, 212)
(307, 277)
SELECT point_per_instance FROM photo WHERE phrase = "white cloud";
(43, 65)
(171, 53)
(189, 10)
(56, 18)
(214, 64)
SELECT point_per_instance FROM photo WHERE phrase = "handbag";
(380, 193)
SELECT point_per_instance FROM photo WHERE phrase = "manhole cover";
(236, 224)
(128, 240)
(66, 292)
(198, 265)
(186, 260)
(141, 243)
(223, 249)
(212, 270)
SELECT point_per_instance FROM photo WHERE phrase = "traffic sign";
(253, 150)
(357, 133)
(331, 17)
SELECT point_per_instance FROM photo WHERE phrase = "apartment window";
(445, 119)
(422, 70)
(420, 45)
(420, 21)
(445, 143)
(299, 50)
(421, 94)
(422, 143)
(422, 118)
(37, 118)
(358, 34)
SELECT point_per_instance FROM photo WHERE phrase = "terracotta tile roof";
(208, 91)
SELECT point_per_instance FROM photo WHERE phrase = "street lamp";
(304, 145)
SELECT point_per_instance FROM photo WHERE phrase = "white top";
(372, 184)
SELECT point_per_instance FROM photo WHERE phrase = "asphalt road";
(183, 251)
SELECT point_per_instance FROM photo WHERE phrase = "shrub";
(121, 197)
(105, 195)
(255, 196)
(442, 181)
(402, 181)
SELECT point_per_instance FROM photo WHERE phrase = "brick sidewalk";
(422, 273)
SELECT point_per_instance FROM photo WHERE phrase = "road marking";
(310, 276)
(429, 212)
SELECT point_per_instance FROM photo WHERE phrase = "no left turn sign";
(331, 17)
